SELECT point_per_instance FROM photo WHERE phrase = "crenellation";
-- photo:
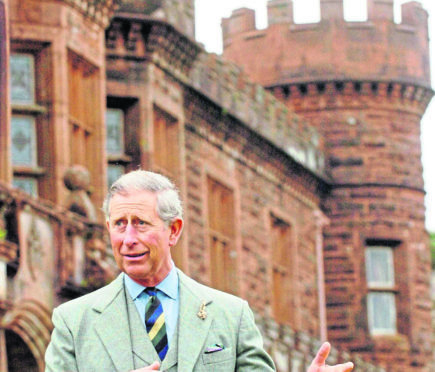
(241, 20)
(413, 14)
(280, 11)
(331, 9)
(380, 9)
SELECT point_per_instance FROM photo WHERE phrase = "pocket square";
(214, 348)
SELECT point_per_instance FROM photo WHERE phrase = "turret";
(364, 86)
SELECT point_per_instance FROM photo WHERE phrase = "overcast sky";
(209, 14)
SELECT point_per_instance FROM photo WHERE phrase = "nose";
(130, 237)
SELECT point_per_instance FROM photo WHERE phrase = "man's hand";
(153, 367)
(318, 364)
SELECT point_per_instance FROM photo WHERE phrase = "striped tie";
(155, 323)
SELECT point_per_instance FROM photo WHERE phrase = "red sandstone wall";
(260, 188)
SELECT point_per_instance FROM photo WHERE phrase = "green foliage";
(3, 233)
(432, 248)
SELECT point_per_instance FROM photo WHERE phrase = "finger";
(155, 366)
(345, 367)
(321, 355)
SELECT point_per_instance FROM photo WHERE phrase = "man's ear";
(176, 228)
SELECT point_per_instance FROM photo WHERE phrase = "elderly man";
(153, 317)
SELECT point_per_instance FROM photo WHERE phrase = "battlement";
(230, 88)
(332, 48)
(282, 11)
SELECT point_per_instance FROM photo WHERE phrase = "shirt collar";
(169, 285)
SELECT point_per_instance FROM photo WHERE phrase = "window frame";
(170, 166)
(31, 109)
(282, 264)
(130, 157)
(222, 276)
(377, 288)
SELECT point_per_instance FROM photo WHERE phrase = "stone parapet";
(41, 236)
(228, 87)
(98, 11)
(140, 37)
(332, 48)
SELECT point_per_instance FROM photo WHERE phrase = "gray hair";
(168, 200)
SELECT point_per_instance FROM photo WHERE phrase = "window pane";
(115, 131)
(23, 140)
(166, 142)
(114, 172)
(281, 241)
(26, 184)
(382, 313)
(22, 78)
(380, 267)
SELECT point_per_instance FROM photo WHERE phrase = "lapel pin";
(202, 314)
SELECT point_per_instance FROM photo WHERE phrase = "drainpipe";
(5, 167)
(321, 220)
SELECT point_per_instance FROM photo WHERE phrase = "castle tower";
(364, 86)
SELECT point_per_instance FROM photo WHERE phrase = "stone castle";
(297, 154)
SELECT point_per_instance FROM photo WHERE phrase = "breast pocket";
(225, 355)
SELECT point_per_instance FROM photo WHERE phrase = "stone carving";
(100, 269)
(35, 250)
(77, 180)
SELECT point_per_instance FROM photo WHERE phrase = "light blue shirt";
(168, 295)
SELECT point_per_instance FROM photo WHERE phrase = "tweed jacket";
(92, 333)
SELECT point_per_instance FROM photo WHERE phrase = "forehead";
(133, 203)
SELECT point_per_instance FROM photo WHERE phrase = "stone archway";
(25, 333)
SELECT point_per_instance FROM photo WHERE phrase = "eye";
(119, 223)
(141, 224)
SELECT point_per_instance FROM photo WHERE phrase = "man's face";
(141, 241)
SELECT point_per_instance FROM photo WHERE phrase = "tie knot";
(151, 291)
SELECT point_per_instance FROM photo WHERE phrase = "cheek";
(152, 239)
(116, 239)
(155, 241)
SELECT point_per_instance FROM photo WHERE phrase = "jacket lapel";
(112, 325)
(192, 329)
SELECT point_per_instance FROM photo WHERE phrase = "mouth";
(135, 255)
